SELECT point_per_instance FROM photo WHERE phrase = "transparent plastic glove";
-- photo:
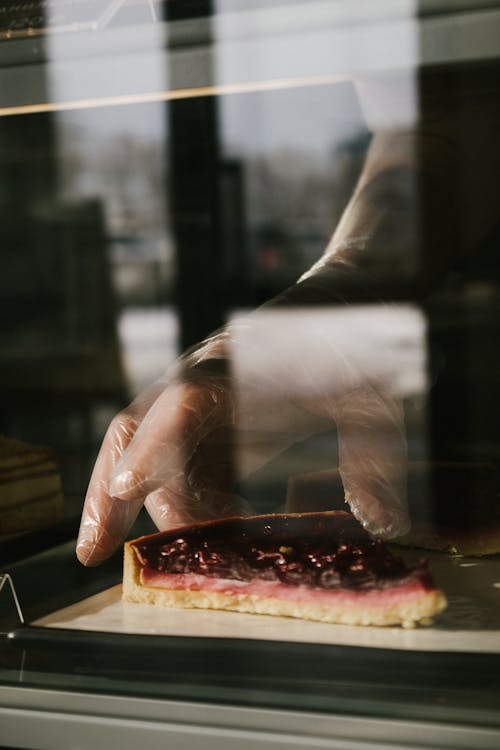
(173, 450)
(308, 369)
(162, 427)
(246, 394)
(238, 400)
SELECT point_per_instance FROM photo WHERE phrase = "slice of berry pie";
(317, 566)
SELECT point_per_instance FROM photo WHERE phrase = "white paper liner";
(470, 623)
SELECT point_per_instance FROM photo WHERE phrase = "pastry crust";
(407, 604)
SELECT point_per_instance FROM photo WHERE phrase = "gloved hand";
(155, 437)
(283, 373)
(236, 401)
(286, 371)
(251, 390)
(296, 367)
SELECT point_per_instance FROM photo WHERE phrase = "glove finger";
(104, 526)
(180, 419)
(373, 461)
(106, 521)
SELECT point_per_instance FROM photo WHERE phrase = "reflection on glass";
(318, 184)
(332, 382)
(42, 16)
(88, 260)
(132, 232)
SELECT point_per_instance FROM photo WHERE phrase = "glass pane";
(249, 267)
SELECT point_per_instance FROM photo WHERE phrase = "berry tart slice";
(317, 566)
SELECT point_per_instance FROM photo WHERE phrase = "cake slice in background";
(454, 506)
(31, 493)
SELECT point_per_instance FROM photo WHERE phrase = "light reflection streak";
(168, 95)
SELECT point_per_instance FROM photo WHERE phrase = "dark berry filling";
(326, 551)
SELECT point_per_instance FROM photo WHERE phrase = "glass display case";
(292, 207)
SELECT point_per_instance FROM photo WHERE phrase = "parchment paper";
(470, 623)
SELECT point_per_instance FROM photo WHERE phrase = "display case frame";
(56, 683)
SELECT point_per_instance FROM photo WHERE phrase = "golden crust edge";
(408, 614)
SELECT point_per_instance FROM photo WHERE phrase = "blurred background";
(168, 165)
